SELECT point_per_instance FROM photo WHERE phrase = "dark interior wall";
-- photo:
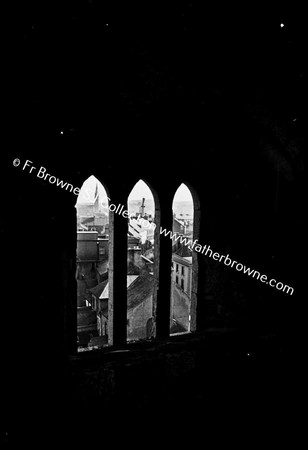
(170, 94)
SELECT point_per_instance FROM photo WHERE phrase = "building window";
(183, 271)
(182, 284)
(92, 261)
(177, 280)
(177, 268)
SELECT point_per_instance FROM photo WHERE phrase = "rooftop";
(186, 261)
(140, 290)
(183, 251)
(101, 291)
(99, 288)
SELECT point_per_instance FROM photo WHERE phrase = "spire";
(96, 199)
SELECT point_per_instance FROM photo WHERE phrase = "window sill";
(174, 343)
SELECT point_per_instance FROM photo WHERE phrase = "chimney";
(134, 256)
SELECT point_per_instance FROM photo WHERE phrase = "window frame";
(194, 282)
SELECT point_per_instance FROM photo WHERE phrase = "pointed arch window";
(142, 262)
(183, 296)
(92, 265)
(104, 318)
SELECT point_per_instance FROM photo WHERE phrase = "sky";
(183, 194)
(87, 191)
(139, 191)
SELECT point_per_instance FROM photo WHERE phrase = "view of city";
(93, 264)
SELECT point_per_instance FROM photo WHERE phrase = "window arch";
(184, 266)
(142, 262)
(92, 265)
